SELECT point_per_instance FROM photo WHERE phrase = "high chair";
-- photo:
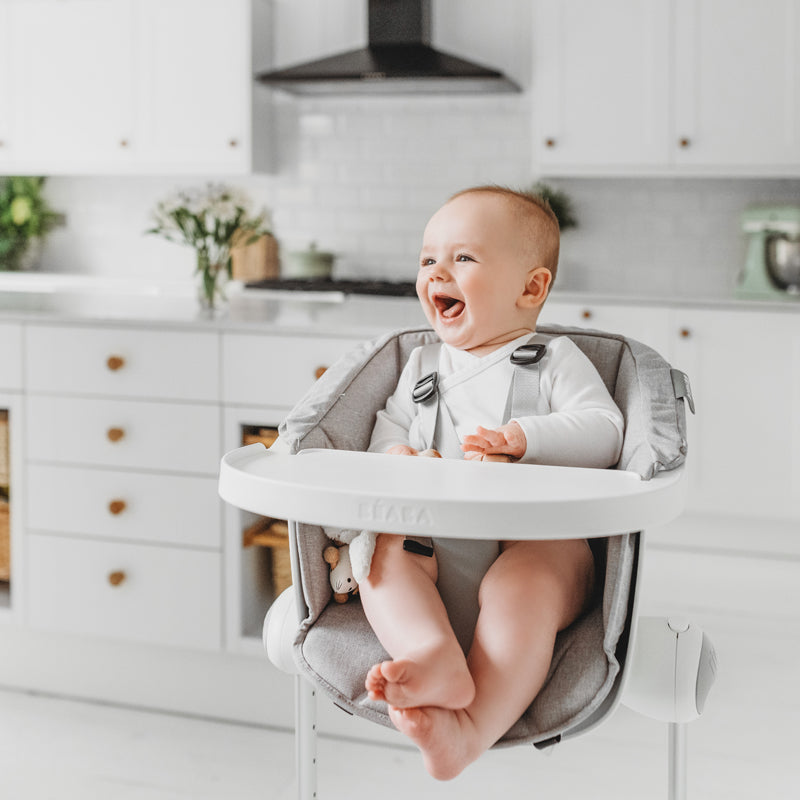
(322, 481)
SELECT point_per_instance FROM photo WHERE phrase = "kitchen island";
(131, 582)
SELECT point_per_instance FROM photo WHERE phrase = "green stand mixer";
(772, 268)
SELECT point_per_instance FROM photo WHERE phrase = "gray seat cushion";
(335, 645)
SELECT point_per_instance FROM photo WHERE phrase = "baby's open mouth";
(448, 307)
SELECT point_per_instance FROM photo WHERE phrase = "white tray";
(444, 497)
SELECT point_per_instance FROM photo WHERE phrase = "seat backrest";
(335, 645)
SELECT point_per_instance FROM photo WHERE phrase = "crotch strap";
(437, 427)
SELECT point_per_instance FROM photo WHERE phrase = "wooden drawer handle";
(117, 506)
(115, 434)
(586, 314)
(117, 578)
(115, 362)
(686, 333)
(684, 142)
(319, 372)
(550, 143)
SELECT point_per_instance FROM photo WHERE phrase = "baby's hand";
(506, 443)
(401, 450)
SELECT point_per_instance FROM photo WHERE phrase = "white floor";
(746, 746)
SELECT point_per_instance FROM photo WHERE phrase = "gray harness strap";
(436, 424)
(462, 563)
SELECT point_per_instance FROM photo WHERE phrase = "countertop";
(75, 299)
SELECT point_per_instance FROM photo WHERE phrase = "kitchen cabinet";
(133, 86)
(737, 66)
(11, 356)
(601, 83)
(127, 564)
(744, 368)
(680, 87)
(263, 377)
(5, 80)
(123, 525)
(646, 324)
(70, 71)
(745, 440)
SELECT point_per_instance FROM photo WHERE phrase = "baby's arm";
(393, 423)
(583, 429)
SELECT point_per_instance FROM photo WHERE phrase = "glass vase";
(212, 279)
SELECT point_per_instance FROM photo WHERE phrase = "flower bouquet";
(212, 220)
(25, 218)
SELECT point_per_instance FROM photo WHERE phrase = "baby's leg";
(531, 592)
(406, 613)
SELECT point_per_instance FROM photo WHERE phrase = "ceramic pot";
(311, 263)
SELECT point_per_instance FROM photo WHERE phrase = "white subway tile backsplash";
(362, 176)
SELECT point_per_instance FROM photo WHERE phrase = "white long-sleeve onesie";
(576, 422)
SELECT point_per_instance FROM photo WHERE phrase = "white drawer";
(123, 362)
(113, 504)
(276, 370)
(10, 356)
(118, 433)
(166, 595)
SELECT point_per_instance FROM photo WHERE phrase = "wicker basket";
(5, 542)
(256, 261)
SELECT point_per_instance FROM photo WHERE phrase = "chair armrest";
(443, 497)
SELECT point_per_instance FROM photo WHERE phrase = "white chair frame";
(436, 496)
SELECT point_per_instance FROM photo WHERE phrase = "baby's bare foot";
(446, 737)
(406, 683)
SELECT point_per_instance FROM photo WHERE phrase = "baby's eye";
(426, 262)
(464, 257)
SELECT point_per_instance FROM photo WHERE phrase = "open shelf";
(265, 568)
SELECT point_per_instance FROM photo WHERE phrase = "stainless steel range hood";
(398, 59)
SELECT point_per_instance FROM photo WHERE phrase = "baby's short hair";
(538, 218)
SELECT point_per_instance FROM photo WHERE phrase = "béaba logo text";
(387, 512)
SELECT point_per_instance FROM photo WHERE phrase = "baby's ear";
(537, 285)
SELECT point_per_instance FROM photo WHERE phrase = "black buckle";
(425, 387)
(528, 354)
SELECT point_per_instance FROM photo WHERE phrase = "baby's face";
(473, 272)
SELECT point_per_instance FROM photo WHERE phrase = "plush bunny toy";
(342, 581)
(360, 546)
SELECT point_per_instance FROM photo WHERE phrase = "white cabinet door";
(153, 594)
(194, 83)
(650, 325)
(135, 434)
(131, 86)
(276, 370)
(72, 98)
(11, 356)
(6, 83)
(744, 443)
(737, 66)
(600, 76)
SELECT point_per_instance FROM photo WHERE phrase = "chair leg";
(677, 760)
(305, 735)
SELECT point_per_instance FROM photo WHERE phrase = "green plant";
(212, 220)
(560, 202)
(24, 216)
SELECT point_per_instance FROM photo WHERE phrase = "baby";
(488, 259)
